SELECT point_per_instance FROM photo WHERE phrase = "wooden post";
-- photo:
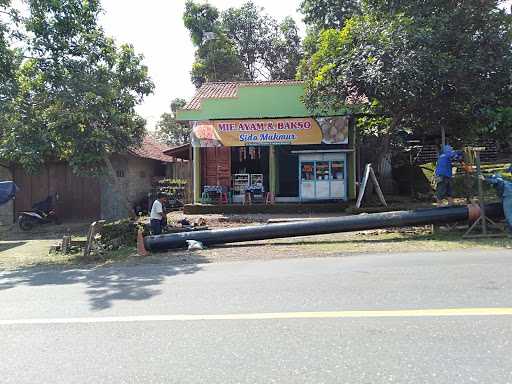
(272, 170)
(93, 230)
(197, 174)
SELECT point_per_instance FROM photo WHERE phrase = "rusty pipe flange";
(473, 212)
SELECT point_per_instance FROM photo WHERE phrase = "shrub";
(121, 232)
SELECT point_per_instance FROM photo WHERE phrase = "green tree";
(76, 93)
(241, 44)
(8, 56)
(327, 14)
(425, 66)
(216, 58)
(282, 51)
(171, 131)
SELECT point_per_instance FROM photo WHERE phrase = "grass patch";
(35, 253)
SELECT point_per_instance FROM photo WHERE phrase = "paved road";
(283, 321)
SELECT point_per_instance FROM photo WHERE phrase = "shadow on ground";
(11, 245)
(44, 232)
(105, 285)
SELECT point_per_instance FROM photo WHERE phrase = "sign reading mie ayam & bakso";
(292, 131)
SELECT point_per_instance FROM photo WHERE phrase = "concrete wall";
(136, 184)
(6, 210)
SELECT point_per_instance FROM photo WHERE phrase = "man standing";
(444, 173)
(157, 214)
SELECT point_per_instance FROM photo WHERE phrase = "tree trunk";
(119, 188)
(384, 166)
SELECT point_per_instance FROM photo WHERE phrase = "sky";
(155, 28)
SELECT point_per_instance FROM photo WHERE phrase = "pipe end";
(473, 212)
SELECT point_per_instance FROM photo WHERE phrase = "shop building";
(250, 135)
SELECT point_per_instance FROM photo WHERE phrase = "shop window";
(338, 170)
(322, 170)
(308, 170)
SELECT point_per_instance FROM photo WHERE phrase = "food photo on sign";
(203, 135)
(334, 129)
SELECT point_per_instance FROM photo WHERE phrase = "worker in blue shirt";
(444, 173)
(504, 189)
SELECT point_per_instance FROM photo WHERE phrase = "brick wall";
(6, 210)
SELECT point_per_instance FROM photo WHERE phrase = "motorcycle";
(42, 212)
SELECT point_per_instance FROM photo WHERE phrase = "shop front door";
(323, 176)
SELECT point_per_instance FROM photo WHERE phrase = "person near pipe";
(444, 173)
(157, 216)
(503, 187)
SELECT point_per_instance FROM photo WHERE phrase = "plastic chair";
(205, 198)
(223, 198)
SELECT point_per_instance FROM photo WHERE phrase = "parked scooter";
(41, 213)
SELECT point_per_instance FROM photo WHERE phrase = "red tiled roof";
(180, 152)
(152, 149)
(228, 90)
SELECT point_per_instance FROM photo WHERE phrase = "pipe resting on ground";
(443, 215)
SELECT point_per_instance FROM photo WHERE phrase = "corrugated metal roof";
(228, 90)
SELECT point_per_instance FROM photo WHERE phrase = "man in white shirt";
(157, 214)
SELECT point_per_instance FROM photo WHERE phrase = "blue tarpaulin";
(7, 191)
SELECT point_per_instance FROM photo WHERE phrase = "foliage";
(283, 52)
(419, 63)
(247, 28)
(121, 232)
(216, 58)
(241, 44)
(500, 126)
(76, 90)
(169, 129)
(8, 56)
(326, 14)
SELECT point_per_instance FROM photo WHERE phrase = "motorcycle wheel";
(25, 223)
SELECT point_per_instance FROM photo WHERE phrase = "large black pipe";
(441, 215)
